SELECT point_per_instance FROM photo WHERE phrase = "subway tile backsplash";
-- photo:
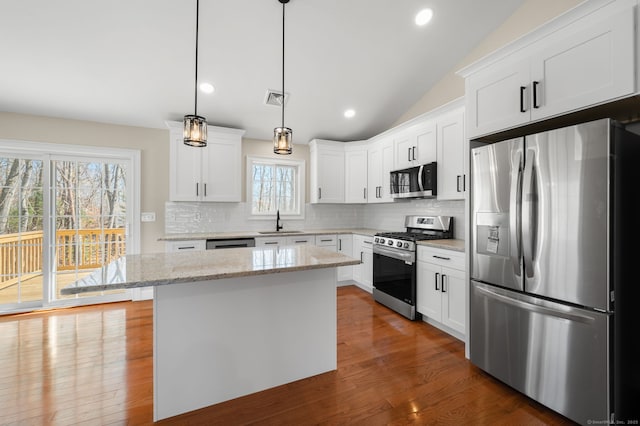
(223, 217)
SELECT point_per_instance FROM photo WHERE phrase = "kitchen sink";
(279, 232)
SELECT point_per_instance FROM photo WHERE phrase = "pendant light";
(282, 135)
(195, 126)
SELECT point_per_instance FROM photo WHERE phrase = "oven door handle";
(406, 256)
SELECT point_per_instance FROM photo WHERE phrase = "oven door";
(394, 273)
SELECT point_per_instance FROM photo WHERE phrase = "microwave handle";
(420, 178)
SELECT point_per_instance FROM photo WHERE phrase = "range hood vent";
(275, 98)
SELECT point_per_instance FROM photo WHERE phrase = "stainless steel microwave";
(415, 182)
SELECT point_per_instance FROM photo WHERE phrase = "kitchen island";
(228, 323)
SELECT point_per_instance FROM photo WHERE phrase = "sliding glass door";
(64, 214)
(90, 218)
(21, 232)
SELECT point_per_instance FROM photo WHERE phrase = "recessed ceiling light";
(349, 113)
(423, 17)
(207, 87)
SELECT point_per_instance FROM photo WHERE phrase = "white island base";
(220, 339)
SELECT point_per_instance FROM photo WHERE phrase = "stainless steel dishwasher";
(230, 243)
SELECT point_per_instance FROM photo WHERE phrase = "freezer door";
(565, 214)
(555, 354)
(496, 204)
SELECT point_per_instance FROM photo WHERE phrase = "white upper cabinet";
(356, 173)
(497, 97)
(592, 65)
(451, 142)
(380, 164)
(327, 171)
(560, 68)
(415, 145)
(212, 173)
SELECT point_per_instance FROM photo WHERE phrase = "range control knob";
(406, 245)
(390, 242)
(381, 240)
(399, 244)
(376, 239)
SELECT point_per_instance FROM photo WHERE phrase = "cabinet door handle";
(458, 183)
(444, 289)
(361, 253)
(441, 257)
(187, 248)
(270, 243)
(197, 189)
(464, 183)
(535, 94)
(408, 154)
(522, 90)
(205, 189)
(413, 152)
(364, 193)
(319, 193)
(340, 244)
(437, 279)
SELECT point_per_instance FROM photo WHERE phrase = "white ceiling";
(131, 62)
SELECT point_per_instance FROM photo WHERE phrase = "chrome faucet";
(278, 226)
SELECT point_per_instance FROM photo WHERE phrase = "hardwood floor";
(93, 365)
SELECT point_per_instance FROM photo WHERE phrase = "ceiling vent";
(275, 98)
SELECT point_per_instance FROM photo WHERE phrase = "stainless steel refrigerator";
(553, 268)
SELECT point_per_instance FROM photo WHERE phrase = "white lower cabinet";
(187, 245)
(441, 288)
(345, 246)
(363, 273)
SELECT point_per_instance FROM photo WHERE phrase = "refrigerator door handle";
(543, 310)
(515, 225)
(528, 213)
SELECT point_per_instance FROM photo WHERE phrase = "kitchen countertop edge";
(450, 244)
(258, 234)
(164, 265)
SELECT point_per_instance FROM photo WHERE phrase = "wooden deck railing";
(21, 254)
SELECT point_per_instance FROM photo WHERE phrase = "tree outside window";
(275, 185)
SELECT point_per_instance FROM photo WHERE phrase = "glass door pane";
(21, 232)
(90, 220)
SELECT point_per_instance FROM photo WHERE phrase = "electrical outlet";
(148, 216)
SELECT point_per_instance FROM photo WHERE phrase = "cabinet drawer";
(270, 241)
(326, 240)
(447, 258)
(176, 246)
(300, 240)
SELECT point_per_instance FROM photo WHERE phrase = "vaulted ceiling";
(131, 62)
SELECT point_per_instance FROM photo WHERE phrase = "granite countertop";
(145, 270)
(451, 244)
(257, 234)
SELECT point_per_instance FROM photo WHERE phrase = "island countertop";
(145, 270)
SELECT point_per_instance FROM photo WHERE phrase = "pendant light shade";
(195, 130)
(282, 136)
(282, 140)
(195, 126)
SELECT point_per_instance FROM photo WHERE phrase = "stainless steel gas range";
(394, 261)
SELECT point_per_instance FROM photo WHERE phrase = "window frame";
(299, 181)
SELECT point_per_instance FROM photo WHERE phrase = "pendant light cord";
(283, 94)
(195, 83)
